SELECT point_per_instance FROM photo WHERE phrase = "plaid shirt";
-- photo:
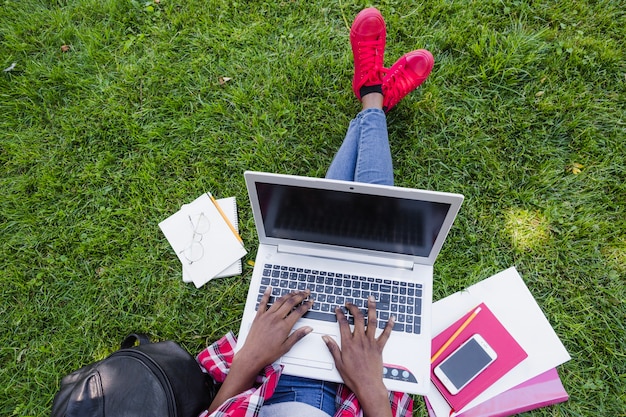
(216, 360)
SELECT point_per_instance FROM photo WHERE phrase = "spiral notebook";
(204, 235)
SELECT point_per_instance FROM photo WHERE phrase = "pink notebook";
(510, 353)
(540, 391)
(543, 390)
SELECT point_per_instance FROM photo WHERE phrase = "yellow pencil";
(232, 228)
(455, 335)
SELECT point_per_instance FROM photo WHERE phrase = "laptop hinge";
(347, 256)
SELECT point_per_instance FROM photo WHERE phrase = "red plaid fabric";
(216, 360)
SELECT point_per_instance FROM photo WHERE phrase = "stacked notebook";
(523, 376)
(509, 352)
(205, 236)
(543, 390)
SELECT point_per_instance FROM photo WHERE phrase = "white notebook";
(229, 207)
(203, 240)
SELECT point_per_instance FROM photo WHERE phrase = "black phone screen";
(465, 363)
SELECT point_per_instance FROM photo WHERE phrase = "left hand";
(360, 358)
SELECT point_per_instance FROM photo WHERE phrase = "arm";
(267, 341)
(360, 361)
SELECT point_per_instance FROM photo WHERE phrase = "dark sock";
(378, 88)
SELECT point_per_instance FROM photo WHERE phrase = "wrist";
(247, 360)
(241, 376)
(245, 366)
(374, 400)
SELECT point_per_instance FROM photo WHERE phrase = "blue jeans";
(319, 394)
(364, 155)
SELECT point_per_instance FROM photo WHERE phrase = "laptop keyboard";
(332, 289)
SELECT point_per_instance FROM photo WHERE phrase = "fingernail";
(325, 339)
(371, 298)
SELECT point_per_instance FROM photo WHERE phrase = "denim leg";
(319, 394)
(364, 155)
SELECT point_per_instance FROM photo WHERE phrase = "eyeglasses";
(200, 225)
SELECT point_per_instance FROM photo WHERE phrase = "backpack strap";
(133, 338)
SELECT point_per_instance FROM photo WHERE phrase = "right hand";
(267, 341)
(269, 337)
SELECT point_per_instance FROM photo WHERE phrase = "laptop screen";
(350, 219)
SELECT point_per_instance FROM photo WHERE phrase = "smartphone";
(465, 364)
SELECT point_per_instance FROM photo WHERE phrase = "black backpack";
(151, 379)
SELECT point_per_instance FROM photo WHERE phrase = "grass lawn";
(114, 113)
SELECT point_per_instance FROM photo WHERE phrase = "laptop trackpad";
(311, 351)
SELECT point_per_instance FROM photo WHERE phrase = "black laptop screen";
(351, 219)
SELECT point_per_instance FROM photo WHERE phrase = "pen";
(455, 335)
(232, 228)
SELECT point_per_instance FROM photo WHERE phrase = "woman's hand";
(268, 340)
(360, 359)
(269, 337)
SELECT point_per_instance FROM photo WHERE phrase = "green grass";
(524, 114)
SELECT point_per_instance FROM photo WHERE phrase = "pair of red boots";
(368, 36)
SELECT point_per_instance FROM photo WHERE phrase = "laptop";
(346, 241)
